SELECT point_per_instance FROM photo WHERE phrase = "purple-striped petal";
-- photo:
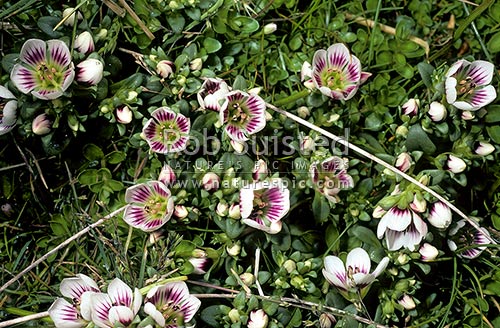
(397, 219)
(120, 315)
(338, 56)
(358, 261)
(335, 272)
(481, 72)
(362, 280)
(120, 293)
(74, 287)
(478, 99)
(23, 78)
(33, 52)
(101, 304)
(395, 239)
(65, 314)
(59, 54)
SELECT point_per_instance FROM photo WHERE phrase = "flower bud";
(309, 84)
(234, 250)
(260, 171)
(131, 96)
(275, 227)
(440, 215)
(467, 115)
(165, 68)
(410, 107)
(167, 175)
(407, 302)
(258, 319)
(270, 28)
(41, 125)
(419, 204)
(200, 264)
(234, 315)
(196, 64)
(428, 252)
(455, 164)
(378, 212)
(402, 131)
(101, 34)
(70, 21)
(234, 211)
(326, 320)
(289, 265)
(210, 181)
(402, 259)
(124, 115)
(247, 278)
(7, 209)
(222, 209)
(180, 211)
(437, 111)
(89, 71)
(424, 179)
(84, 43)
(484, 148)
(155, 236)
(403, 161)
(307, 145)
(306, 72)
(303, 111)
(254, 91)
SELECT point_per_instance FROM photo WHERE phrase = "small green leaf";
(494, 132)
(493, 114)
(244, 24)
(88, 177)
(211, 314)
(92, 152)
(211, 45)
(426, 70)
(176, 22)
(115, 157)
(365, 235)
(494, 43)
(320, 207)
(417, 139)
(47, 24)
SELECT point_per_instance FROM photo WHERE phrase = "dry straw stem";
(60, 246)
(25, 318)
(387, 29)
(374, 158)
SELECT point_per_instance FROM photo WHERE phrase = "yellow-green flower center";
(48, 76)
(238, 113)
(333, 78)
(466, 86)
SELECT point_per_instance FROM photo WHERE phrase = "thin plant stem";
(60, 246)
(377, 160)
(25, 318)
